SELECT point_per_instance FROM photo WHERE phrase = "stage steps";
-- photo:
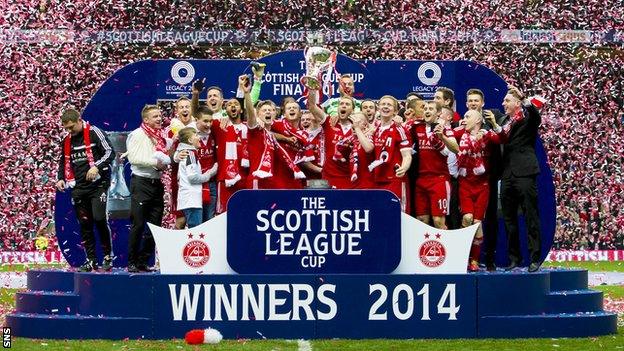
(48, 302)
(566, 309)
(50, 326)
(548, 325)
(571, 301)
(118, 305)
(50, 280)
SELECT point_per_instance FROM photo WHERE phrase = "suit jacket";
(519, 157)
(495, 155)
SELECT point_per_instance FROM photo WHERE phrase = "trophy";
(318, 60)
(118, 204)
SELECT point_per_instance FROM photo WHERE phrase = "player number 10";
(442, 204)
(405, 310)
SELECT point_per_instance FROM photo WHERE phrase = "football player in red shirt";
(291, 138)
(230, 136)
(270, 164)
(432, 188)
(393, 152)
(473, 173)
(312, 156)
(206, 155)
(337, 168)
(363, 148)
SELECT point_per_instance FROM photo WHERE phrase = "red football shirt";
(430, 161)
(220, 140)
(365, 178)
(206, 154)
(281, 127)
(256, 145)
(335, 168)
(389, 141)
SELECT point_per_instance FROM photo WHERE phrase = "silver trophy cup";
(318, 60)
(118, 204)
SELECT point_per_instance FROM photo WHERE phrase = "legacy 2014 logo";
(429, 73)
(183, 72)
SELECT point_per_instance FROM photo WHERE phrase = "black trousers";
(521, 191)
(490, 224)
(454, 217)
(146, 206)
(90, 209)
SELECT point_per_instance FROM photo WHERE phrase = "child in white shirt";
(190, 178)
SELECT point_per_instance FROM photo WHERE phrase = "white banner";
(428, 250)
(199, 250)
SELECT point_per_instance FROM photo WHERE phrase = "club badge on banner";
(425, 249)
(199, 250)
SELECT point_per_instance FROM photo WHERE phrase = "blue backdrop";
(116, 107)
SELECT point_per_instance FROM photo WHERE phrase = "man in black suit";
(475, 100)
(519, 185)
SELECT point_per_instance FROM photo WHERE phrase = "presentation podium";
(549, 303)
(311, 264)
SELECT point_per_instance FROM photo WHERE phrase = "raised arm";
(316, 111)
(257, 83)
(450, 143)
(365, 142)
(530, 110)
(198, 86)
(245, 86)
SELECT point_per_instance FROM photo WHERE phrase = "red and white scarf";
(285, 128)
(386, 150)
(266, 160)
(345, 151)
(344, 139)
(232, 170)
(343, 148)
(434, 140)
(470, 156)
(235, 148)
(354, 160)
(70, 179)
(160, 144)
(314, 150)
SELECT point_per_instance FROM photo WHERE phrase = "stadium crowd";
(271, 14)
(581, 127)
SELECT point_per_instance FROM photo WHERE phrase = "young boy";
(207, 157)
(191, 178)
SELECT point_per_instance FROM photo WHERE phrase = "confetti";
(579, 79)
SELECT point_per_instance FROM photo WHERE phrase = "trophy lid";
(315, 38)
